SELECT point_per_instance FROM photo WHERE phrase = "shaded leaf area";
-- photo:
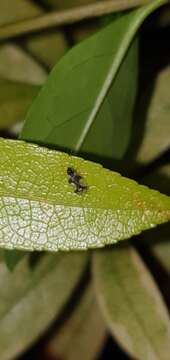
(156, 138)
(89, 69)
(15, 98)
(31, 298)
(20, 79)
(15, 10)
(159, 178)
(80, 31)
(54, 41)
(134, 311)
(164, 18)
(150, 137)
(65, 4)
(161, 247)
(36, 44)
(155, 142)
(12, 258)
(83, 333)
(41, 210)
(16, 65)
(156, 247)
(159, 241)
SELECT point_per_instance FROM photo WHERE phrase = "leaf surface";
(82, 80)
(156, 138)
(157, 245)
(16, 65)
(158, 240)
(131, 303)
(21, 75)
(23, 317)
(32, 297)
(12, 258)
(41, 211)
(54, 41)
(84, 329)
(38, 43)
(15, 10)
(15, 98)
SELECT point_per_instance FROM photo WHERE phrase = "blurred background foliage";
(107, 303)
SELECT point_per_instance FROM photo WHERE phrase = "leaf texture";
(15, 98)
(33, 295)
(17, 65)
(82, 80)
(159, 239)
(84, 329)
(156, 138)
(131, 303)
(40, 209)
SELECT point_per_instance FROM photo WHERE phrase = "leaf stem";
(69, 16)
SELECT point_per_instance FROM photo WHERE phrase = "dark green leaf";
(12, 258)
(75, 94)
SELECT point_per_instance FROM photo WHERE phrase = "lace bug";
(75, 179)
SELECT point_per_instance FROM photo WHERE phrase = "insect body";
(75, 179)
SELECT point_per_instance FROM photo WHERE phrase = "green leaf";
(15, 98)
(18, 66)
(82, 80)
(84, 329)
(40, 210)
(131, 304)
(31, 298)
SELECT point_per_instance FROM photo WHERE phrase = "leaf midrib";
(113, 70)
(64, 205)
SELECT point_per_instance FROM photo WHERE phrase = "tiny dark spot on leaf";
(76, 179)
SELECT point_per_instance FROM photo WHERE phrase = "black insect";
(75, 179)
